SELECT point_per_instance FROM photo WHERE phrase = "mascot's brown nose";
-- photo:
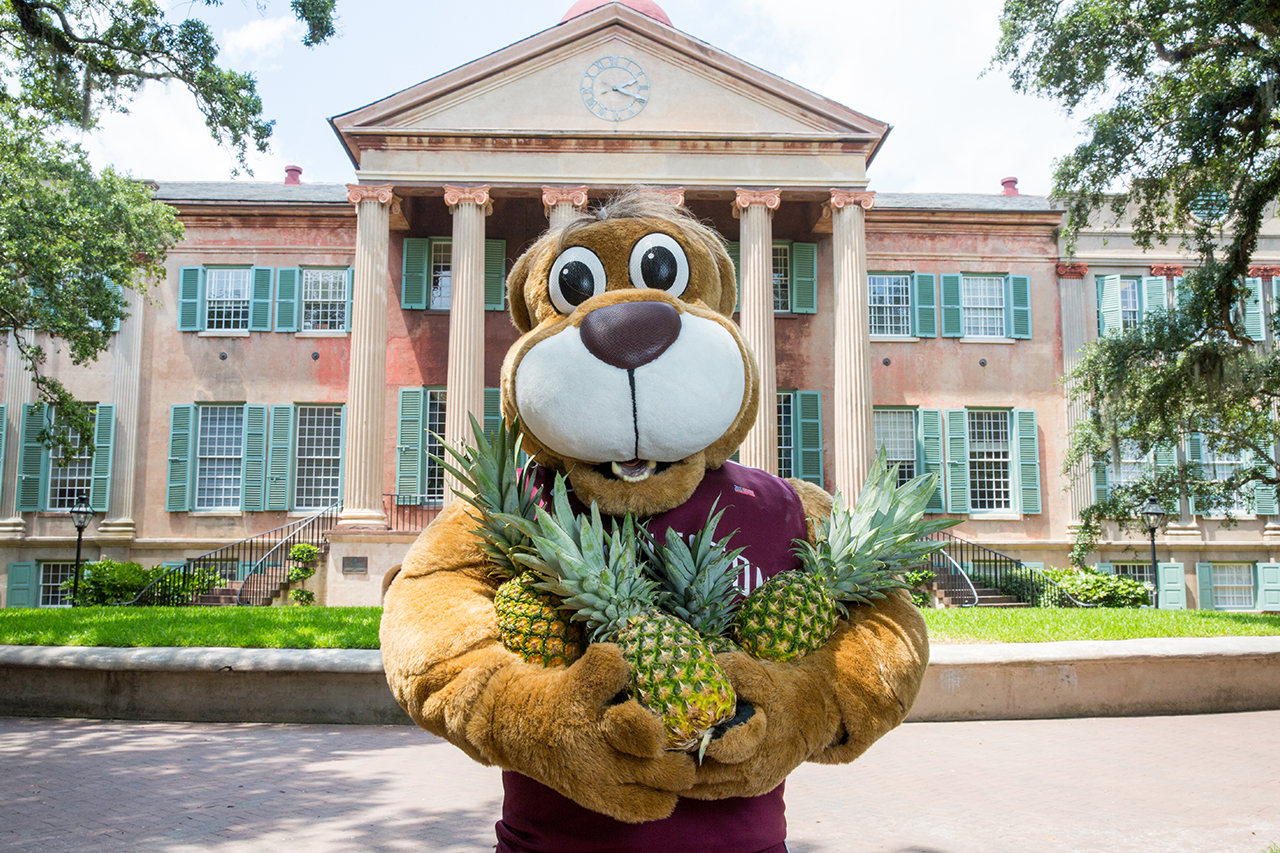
(630, 334)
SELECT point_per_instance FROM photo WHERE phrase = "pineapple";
(598, 576)
(531, 622)
(699, 579)
(857, 556)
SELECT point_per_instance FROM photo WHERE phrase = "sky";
(916, 64)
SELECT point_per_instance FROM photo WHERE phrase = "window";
(794, 272)
(1141, 572)
(895, 433)
(890, 300)
(986, 306)
(434, 485)
(45, 485)
(786, 438)
(324, 300)
(1232, 586)
(1238, 586)
(427, 274)
(52, 577)
(227, 299)
(989, 461)
(800, 435)
(319, 467)
(1123, 301)
(419, 477)
(68, 482)
(219, 443)
(983, 304)
(1218, 464)
(781, 277)
(992, 458)
(441, 274)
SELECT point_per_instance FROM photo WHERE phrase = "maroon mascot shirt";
(767, 515)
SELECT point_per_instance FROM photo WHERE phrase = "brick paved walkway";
(1207, 784)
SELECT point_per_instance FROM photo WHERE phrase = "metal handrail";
(955, 569)
(1012, 577)
(279, 573)
(410, 512)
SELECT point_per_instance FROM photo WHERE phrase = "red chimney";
(293, 176)
(1010, 186)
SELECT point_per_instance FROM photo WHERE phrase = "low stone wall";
(963, 682)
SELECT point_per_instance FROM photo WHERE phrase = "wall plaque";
(355, 565)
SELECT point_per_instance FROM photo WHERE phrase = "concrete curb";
(963, 682)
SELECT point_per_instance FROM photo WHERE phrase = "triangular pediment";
(568, 80)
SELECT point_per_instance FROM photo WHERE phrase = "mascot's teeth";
(635, 471)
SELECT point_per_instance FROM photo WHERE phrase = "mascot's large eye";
(658, 263)
(576, 276)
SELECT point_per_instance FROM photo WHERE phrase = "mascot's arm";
(557, 725)
(828, 706)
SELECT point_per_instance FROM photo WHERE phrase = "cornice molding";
(381, 193)
(1072, 270)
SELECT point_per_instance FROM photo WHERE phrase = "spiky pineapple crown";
(700, 579)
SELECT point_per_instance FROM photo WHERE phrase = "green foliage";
(918, 581)
(1050, 624)
(1094, 587)
(297, 574)
(109, 582)
(304, 597)
(304, 552)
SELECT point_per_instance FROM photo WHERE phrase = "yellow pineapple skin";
(787, 617)
(676, 676)
(531, 624)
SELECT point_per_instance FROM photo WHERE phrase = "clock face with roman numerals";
(615, 88)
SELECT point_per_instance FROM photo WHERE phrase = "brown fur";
(447, 667)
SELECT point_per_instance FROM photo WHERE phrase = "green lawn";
(357, 627)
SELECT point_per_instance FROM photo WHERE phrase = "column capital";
(746, 198)
(551, 196)
(1264, 271)
(381, 193)
(675, 195)
(1166, 270)
(479, 196)
(842, 198)
(1072, 270)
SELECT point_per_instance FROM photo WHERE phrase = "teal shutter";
(1253, 309)
(413, 281)
(1028, 448)
(31, 463)
(1195, 461)
(1181, 293)
(253, 461)
(957, 461)
(1104, 568)
(1110, 319)
(104, 433)
(287, 283)
(931, 456)
(1268, 594)
(734, 249)
(1264, 496)
(260, 300)
(280, 457)
(495, 275)
(119, 292)
(925, 301)
(952, 318)
(190, 297)
(182, 445)
(1154, 295)
(351, 298)
(804, 278)
(1101, 486)
(409, 460)
(1018, 299)
(1204, 587)
(492, 411)
(1173, 588)
(808, 464)
(21, 589)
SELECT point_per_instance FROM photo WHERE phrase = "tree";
(1184, 141)
(70, 237)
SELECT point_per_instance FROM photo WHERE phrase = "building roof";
(644, 7)
(250, 191)
(965, 201)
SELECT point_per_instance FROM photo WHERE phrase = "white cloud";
(253, 44)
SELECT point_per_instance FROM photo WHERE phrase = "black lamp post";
(81, 515)
(1152, 516)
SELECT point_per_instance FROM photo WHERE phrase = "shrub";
(1093, 587)
(918, 580)
(300, 573)
(304, 597)
(304, 552)
(111, 581)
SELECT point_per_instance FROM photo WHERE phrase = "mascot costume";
(631, 380)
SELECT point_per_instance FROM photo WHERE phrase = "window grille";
(434, 485)
(1129, 316)
(1233, 586)
(52, 577)
(781, 278)
(1141, 572)
(895, 433)
(1131, 465)
(68, 482)
(1220, 465)
(227, 299)
(316, 485)
(890, 297)
(324, 300)
(441, 274)
(989, 486)
(983, 304)
(220, 442)
(786, 433)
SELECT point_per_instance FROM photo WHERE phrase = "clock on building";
(615, 88)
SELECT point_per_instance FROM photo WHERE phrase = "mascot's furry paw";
(565, 728)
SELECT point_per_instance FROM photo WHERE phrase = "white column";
(126, 353)
(755, 210)
(1073, 310)
(367, 383)
(19, 389)
(464, 394)
(853, 445)
(563, 204)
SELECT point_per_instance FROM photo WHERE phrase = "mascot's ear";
(515, 290)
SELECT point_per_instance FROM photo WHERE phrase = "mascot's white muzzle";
(635, 381)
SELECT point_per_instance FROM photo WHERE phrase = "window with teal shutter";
(1018, 318)
(1195, 463)
(190, 291)
(492, 412)
(1028, 449)
(413, 280)
(182, 420)
(804, 278)
(1104, 568)
(734, 248)
(809, 436)
(495, 275)
(409, 459)
(260, 299)
(254, 459)
(287, 299)
(931, 456)
(1109, 315)
(1173, 586)
(1205, 598)
(32, 458)
(1264, 496)
(1101, 486)
(1268, 594)
(1253, 321)
(924, 299)
(952, 313)
(20, 591)
(104, 431)
(280, 457)
(1154, 295)
(119, 292)
(957, 439)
